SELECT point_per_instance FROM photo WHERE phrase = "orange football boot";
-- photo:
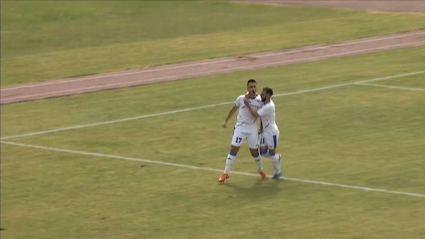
(263, 175)
(223, 177)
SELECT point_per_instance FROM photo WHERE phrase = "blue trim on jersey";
(233, 154)
(274, 141)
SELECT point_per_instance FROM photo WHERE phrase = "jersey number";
(238, 140)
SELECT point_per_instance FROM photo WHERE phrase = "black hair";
(251, 81)
(268, 90)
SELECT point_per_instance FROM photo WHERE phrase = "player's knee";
(254, 153)
(256, 156)
(234, 150)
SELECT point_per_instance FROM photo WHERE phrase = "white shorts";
(241, 134)
(269, 139)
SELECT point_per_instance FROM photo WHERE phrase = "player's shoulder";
(240, 97)
(258, 99)
(269, 106)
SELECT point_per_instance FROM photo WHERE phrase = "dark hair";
(268, 90)
(251, 81)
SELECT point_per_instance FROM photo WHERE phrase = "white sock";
(259, 163)
(276, 162)
(229, 161)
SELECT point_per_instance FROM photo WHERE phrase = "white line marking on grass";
(117, 121)
(258, 55)
(211, 169)
(392, 87)
(206, 106)
(229, 70)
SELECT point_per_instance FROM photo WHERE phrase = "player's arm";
(251, 110)
(231, 113)
(261, 126)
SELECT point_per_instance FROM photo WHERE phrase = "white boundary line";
(212, 169)
(228, 70)
(392, 87)
(258, 55)
(207, 106)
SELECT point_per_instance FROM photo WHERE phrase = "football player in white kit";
(245, 129)
(270, 131)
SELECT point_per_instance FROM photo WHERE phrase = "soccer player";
(270, 131)
(245, 129)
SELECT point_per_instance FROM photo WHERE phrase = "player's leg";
(264, 150)
(253, 148)
(271, 140)
(237, 140)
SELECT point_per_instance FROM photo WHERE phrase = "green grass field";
(353, 135)
(44, 40)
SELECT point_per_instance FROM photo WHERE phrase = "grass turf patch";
(44, 40)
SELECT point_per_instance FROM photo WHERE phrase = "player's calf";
(276, 158)
(257, 158)
(231, 157)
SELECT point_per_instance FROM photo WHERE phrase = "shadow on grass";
(261, 188)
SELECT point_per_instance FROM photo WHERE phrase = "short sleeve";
(264, 110)
(239, 101)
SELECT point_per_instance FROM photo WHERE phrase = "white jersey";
(245, 118)
(268, 117)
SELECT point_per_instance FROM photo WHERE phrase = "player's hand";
(246, 101)
(224, 125)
